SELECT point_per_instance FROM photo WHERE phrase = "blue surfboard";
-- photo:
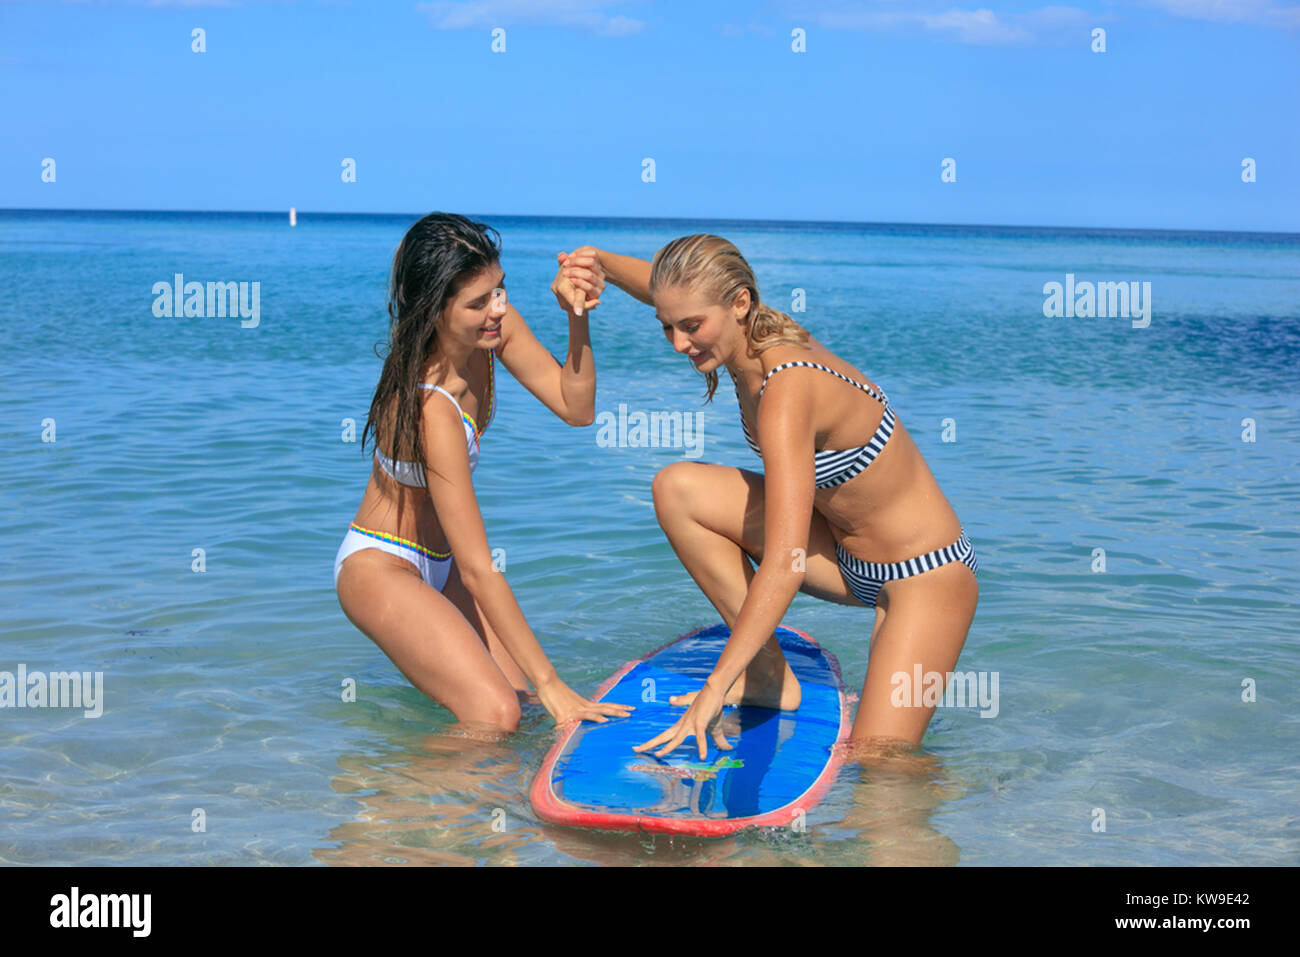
(783, 762)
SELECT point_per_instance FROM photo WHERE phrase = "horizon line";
(719, 219)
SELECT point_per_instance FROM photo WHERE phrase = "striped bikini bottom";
(865, 578)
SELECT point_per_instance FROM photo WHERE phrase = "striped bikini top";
(410, 473)
(835, 466)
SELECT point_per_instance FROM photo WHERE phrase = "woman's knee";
(497, 710)
(672, 488)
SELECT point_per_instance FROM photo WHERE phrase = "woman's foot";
(768, 682)
(763, 686)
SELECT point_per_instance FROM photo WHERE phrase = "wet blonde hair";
(714, 267)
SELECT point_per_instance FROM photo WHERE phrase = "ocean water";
(1160, 692)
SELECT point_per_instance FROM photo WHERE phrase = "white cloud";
(980, 26)
(1260, 12)
(975, 26)
(186, 3)
(587, 15)
(736, 30)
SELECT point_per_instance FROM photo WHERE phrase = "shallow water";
(1119, 690)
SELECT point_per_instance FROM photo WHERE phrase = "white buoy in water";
(293, 216)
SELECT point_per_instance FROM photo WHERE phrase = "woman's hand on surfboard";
(580, 272)
(701, 718)
(565, 704)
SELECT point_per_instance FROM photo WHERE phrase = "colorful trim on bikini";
(491, 399)
(465, 417)
(393, 539)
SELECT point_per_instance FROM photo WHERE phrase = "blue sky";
(1151, 133)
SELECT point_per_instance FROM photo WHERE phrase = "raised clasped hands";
(579, 281)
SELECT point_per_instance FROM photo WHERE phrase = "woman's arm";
(787, 444)
(630, 274)
(452, 492)
(786, 441)
(788, 488)
(568, 390)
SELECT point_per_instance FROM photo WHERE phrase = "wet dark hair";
(436, 257)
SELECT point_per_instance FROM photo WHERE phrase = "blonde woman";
(414, 572)
(845, 508)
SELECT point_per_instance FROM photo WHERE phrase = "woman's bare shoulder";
(840, 363)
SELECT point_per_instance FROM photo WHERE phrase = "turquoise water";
(1119, 690)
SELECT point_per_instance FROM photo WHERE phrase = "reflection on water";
(461, 800)
(897, 793)
(449, 801)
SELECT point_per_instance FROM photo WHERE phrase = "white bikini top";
(410, 473)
